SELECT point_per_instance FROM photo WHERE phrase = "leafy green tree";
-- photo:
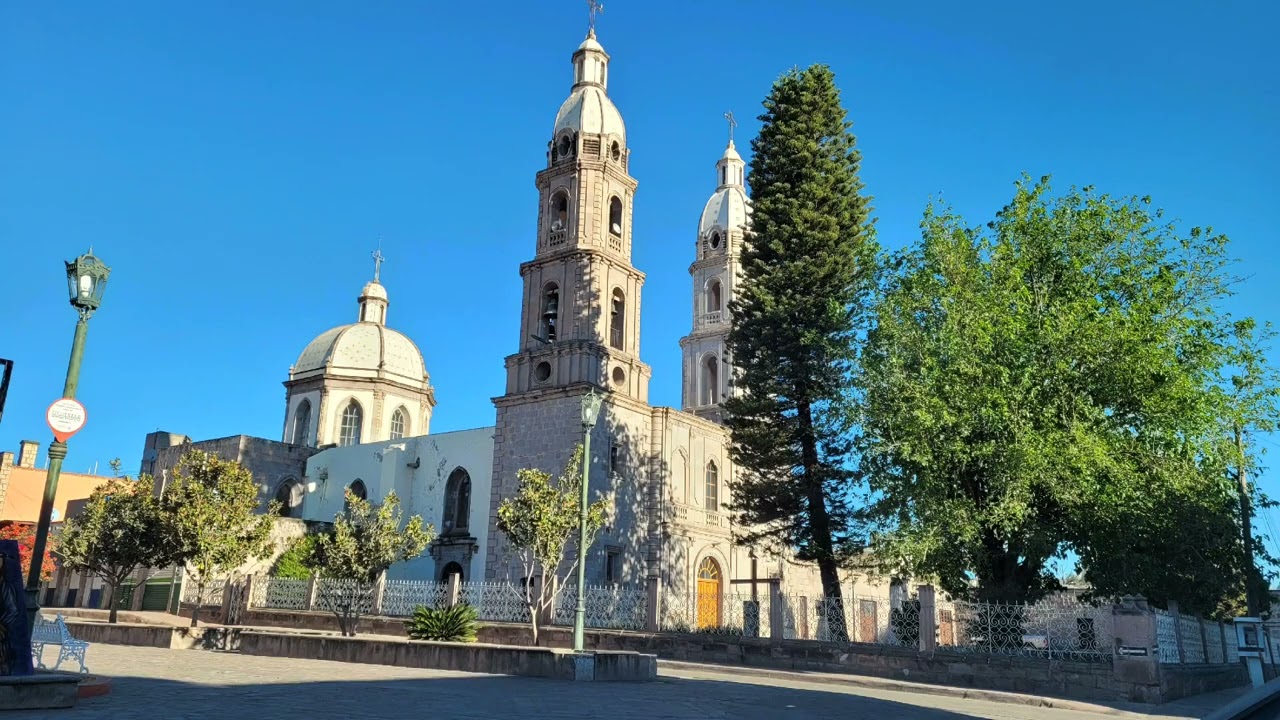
(295, 562)
(367, 538)
(212, 506)
(122, 528)
(809, 270)
(1051, 383)
(539, 521)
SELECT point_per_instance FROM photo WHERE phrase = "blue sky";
(236, 162)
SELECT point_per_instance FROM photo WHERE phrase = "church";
(359, 399)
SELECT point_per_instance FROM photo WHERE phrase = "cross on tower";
(732, 124)
(594, 7)
(377, 262)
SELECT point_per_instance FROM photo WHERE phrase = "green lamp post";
(590, 410)
(86, 281)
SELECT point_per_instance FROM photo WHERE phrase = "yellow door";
(708, 593)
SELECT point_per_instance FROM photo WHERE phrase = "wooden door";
(708, 598)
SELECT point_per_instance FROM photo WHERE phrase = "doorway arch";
(453, 568)
(710, 586)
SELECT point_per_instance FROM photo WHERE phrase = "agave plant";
(455, 624)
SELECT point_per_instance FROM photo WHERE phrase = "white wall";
(384, 466)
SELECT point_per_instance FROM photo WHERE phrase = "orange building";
(22, 486)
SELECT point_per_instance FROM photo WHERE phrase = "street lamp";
(590, 410)
(86, 281)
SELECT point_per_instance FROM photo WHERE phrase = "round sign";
(65, 417)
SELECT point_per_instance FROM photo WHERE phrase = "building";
(359, 401)
(22, 487)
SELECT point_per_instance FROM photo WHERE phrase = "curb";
(877, 683)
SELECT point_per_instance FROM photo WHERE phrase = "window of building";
(302, 423)
(289, 495)
(399, 423)
(710, 380)
(559, 211)
(713, 487)
(457, 502)
(550, 310)
(713, 297)
(615, 216)
(615, 458)
(358, 490)
(617, 319)
(352, 420)
(612, 566)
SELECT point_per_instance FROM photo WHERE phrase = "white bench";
(55, 632)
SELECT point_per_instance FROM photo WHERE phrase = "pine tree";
(809, 269)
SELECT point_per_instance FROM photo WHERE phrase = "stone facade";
(272, 463)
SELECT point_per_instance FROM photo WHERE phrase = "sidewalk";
(1192, 708)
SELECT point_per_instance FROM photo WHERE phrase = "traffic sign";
(65, 417)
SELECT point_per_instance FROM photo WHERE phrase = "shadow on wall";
(477, 696)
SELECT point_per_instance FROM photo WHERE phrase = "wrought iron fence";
(1214, 651)
(1167, 637)
(607, 606)
(401, 597)
(1052, 628)
(210, 596)
(496, 601)
(1192, 640)
(339, 595)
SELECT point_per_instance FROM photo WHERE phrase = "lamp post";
(86, 281)
(590, 410)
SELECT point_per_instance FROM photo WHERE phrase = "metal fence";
(1185, 639)
(1058, 627)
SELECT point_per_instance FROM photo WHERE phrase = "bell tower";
(580, 328)
(715, 272)
(580, 321)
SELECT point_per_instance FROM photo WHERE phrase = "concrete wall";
(270, 462)
(385, 466)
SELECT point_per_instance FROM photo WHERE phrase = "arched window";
(617, 318)
(710, 380)
(559, 211)
(452, 568)
(679, 478)
(713, 296)
(399, 423)
(289, 495)
(302, 423)
(352, 420)
(713, 487)
(357, 489)
(457, 503)
(550, 310)
(615, 216)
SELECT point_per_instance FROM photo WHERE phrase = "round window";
(542, 371)
(616, 152)
(715, 240)
(619, 376)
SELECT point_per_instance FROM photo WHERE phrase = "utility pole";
(1246, 527)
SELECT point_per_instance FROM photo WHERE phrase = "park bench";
(55, 632)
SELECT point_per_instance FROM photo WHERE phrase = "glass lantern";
(590, 409)
(86, 281)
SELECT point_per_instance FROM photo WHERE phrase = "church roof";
(588, 109)
(728, 207)
(363, 350)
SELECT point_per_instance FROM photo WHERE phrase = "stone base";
(597, 666)
(34, 692)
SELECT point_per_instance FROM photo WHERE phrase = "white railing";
(212, 595)
(496, 601)
(401, 597)
(712, 318)
(1055, 628)
(280, 593)
(607, 606)
(1167, 637)
(730, 614)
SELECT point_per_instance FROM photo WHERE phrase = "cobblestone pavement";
(173, 684)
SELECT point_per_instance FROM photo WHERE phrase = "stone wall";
(270, 462)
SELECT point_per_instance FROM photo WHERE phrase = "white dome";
(363, 350)
(589, 110)
(728, 209)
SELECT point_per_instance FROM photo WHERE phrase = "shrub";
(295, 562)
(455, 624)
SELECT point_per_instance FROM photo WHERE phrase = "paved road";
(175, 684)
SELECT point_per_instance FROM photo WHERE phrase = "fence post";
(928, 619)
(652, 603)
(379, 589)
(1136, 647)
(1177, 629)
(313, 586)
(777, 610)
(804, 618)
(454, 590)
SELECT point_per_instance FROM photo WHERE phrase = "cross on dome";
(732, 124)
(594, 8)
(378, 258)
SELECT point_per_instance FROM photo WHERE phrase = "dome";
(728, 209)
(589, 110)
(363, 350)
(374, 289)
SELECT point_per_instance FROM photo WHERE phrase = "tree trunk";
(820, 525)
(195, 611)
(115, 602)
